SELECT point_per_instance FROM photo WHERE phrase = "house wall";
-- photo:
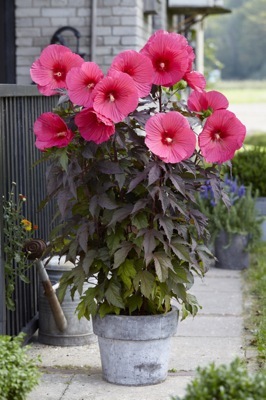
(119, 25)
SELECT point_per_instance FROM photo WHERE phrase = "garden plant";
(226, 382)
(127, 157)
(19, 373)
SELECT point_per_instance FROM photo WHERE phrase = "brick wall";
(36, 22)
(120, 25)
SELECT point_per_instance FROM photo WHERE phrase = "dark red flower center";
(162, 65)
(217, 136)
(61, 134)
(59, 72)
(167, 138)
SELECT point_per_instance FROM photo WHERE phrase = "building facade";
(107, 27)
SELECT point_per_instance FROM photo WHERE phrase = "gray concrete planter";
(135, 349)
(261, 208)
(231, 252)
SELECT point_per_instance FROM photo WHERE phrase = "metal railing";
(19, 108)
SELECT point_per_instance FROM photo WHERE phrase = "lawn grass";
(256, 280)
(256, 139)
(243, 92)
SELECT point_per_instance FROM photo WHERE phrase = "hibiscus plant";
(127, 157)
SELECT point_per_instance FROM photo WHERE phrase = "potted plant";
(247, 166)
(125, 167)
(19, 373)
(233, 224)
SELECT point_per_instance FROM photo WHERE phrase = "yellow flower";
(27, 225)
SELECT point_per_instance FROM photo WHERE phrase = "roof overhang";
(182, 8)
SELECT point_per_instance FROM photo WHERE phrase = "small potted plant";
(248, 165)
(126, 161)
(19, 373)
(233, 224)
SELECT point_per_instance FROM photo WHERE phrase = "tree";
(240, 39)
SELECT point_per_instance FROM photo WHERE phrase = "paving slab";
(215, 334)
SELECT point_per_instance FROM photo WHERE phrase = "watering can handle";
(34, 248)
(51, 296)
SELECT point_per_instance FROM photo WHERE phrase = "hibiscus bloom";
(222, 135)
(207, 102)
(170, 137)
(136, 65)
(115, 96)
(195, 80)
(50, 70)
(169, 55)
(81, 82)
(51, 131)
(93, 126)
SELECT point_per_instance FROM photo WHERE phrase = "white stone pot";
(135, 349)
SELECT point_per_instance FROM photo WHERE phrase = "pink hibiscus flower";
(93, 126)
(50, 70)
(81, 82)
(136, 65)
(115, 96)
(51, 131)
(170, 137)
(222, 135)
(169, 55)
(207, 102)
(195, 80)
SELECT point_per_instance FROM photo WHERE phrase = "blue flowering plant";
(235, 213)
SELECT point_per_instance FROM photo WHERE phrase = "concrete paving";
(215, 334)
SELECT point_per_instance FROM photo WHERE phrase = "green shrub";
(249, 166)
(256, 140)
(231, 382)
(18, 373)
(256, 276)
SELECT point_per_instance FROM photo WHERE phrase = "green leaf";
(144, 281)
(63, 159)
(127, 272)
(162, 265)
(134, 303)
(140, 220)
(114, 239)
(78, 277)
(106, 308)
(180, 250)
(87, 305)
(113, 295)
(181, 274)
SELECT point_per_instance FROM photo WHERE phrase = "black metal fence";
(19, 108)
